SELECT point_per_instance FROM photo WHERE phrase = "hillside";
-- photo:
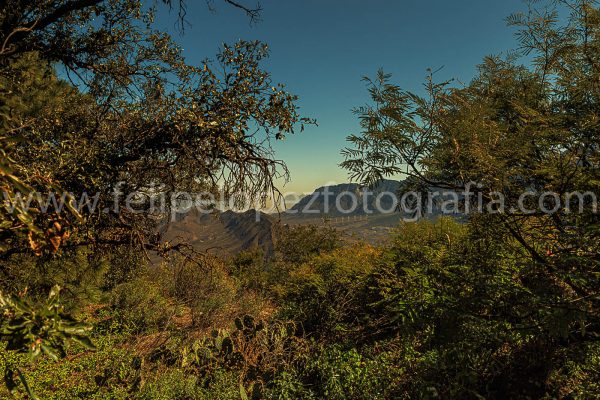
(223, 233)
(323, 200)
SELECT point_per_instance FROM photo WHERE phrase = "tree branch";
(253, 13)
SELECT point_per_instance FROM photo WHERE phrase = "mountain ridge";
(336, 200)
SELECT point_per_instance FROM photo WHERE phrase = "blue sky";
(322, 49)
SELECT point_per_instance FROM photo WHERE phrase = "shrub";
(326, 294)
(249, 267)
(340, 374)
(204, 289)
(298, 244)
(140, 305)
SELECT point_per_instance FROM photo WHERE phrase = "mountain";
(339, 206)
(223, 233)
(348, 199)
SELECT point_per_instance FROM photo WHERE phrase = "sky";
(320, 49)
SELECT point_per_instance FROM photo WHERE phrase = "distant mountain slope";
(227, 233)
(223, 233)
(323, 200)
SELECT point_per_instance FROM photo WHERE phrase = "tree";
(135, 114)
(516, 128)
(523, 282)
(93, 99)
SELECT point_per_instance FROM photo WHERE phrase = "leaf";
(243, 394)
(248, 321)
(51, 352)
(238, 324)
(77, 329)
(84, 341)
(54, 292)
(26, 385)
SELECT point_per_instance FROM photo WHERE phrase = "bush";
(298, 244)
(249, 267)
(140, 305)
(170, 384)
(325, 295)
(207, 293)
(105, 373)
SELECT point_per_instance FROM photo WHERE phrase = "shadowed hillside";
(223, 233)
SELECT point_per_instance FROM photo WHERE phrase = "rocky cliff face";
(348, 199)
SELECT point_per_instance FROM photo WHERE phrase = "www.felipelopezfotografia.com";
(411, 205)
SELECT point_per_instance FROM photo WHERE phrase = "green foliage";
(133, 111)
(298, 244)
(43, 330)
(444, 311)
(509, 291)
(140, 305)
(454, 308)
(203, 288)
(110, 371)
(46, 329)
(287, 386)
(462, 293)
(176, 384)
(514, 129)
(138, 116)
(325, 293)
(346, 374)
(80, 272)
(250, 268)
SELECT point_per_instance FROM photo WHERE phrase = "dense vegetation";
(498, 305)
